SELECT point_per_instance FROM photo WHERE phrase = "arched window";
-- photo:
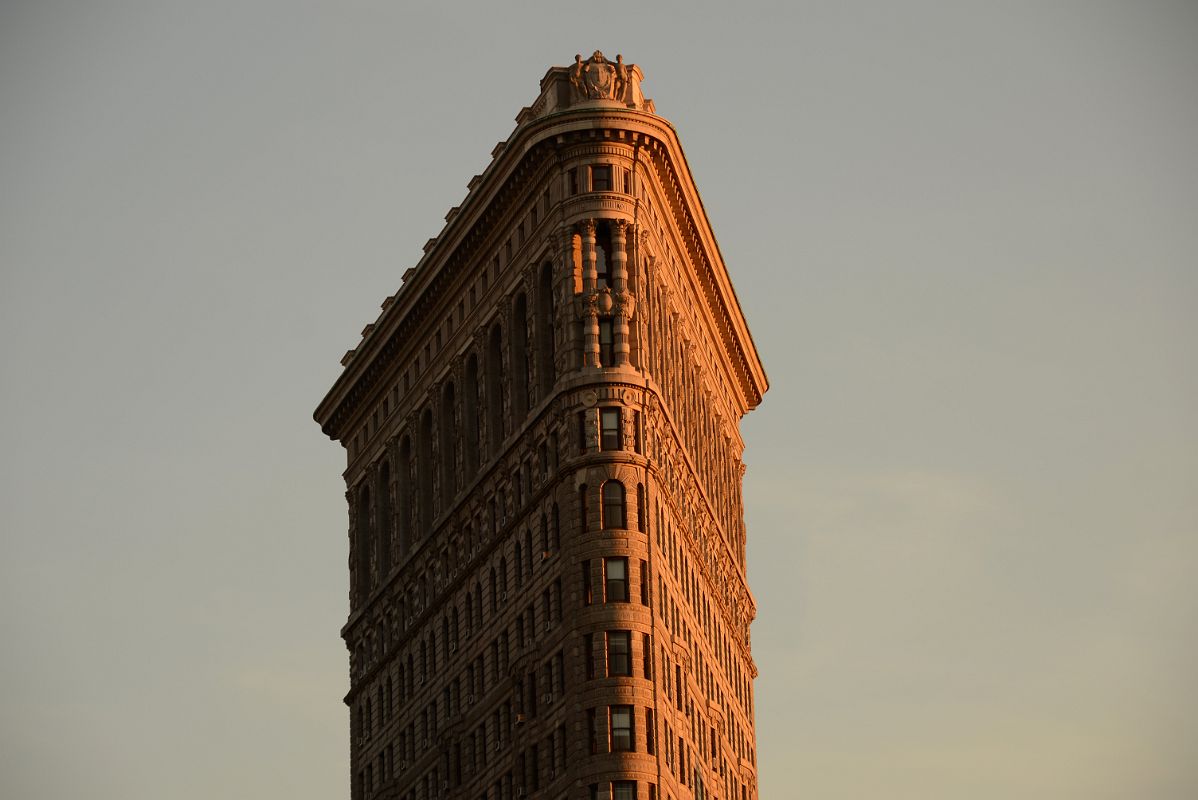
(640, 507)
(495, 391)
(528, 550)
(385, 521)
(405, 496)
(582, 508)
(545, 345)
(556, 530)
(424, 473)
(472, 454)
(613, 504)
(519, 360)
(365, 535)
(449, 443)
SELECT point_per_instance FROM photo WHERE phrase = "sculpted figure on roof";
(597, 78)
(600, 77)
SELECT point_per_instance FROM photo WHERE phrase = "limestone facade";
(546, 538)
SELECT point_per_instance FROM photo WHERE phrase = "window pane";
(623, 790)
(613, 504)
(619, 657)
(621, 728)
(606, 336)
(601, 179)
(617, 579)
(609, 423)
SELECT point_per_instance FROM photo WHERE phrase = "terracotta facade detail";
(544, 470)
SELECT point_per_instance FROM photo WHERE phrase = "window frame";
(610, 428)
(602, 173)
(613, 505)
(616, 745)
(616, 640)
(608, 581)
(607, 341)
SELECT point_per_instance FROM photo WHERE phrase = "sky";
(965, 238)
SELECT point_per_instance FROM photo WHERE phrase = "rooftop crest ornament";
(599, 79)
(586, 81)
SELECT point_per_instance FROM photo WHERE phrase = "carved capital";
(587, 305)
(625, 304)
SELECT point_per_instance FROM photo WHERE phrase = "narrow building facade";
(546, 538)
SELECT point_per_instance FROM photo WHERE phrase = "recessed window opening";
(601, 178)
(609, 427)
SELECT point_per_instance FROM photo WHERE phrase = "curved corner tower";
(546, 536)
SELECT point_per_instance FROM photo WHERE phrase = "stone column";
(589, 311)
(623, 305)
(619, 256)
(589, 275)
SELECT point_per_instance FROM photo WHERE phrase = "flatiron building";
(544, 470)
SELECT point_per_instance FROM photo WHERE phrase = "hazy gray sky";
(966, 239)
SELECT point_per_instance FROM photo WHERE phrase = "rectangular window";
(642, 511)
(582, 431)
(638, 432)
(582, 508)
(609, 429)
(615, 578)
(647, 655)
(644, 582)
(621, 728)
(592, 733)
(603, 251)
(607, 353)
(678, 685)
(587, 597)
(601, 178)
(573, 181)
(627, 182)
(623, 790)
(650, 733)
(619, 653)
(588, 652)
